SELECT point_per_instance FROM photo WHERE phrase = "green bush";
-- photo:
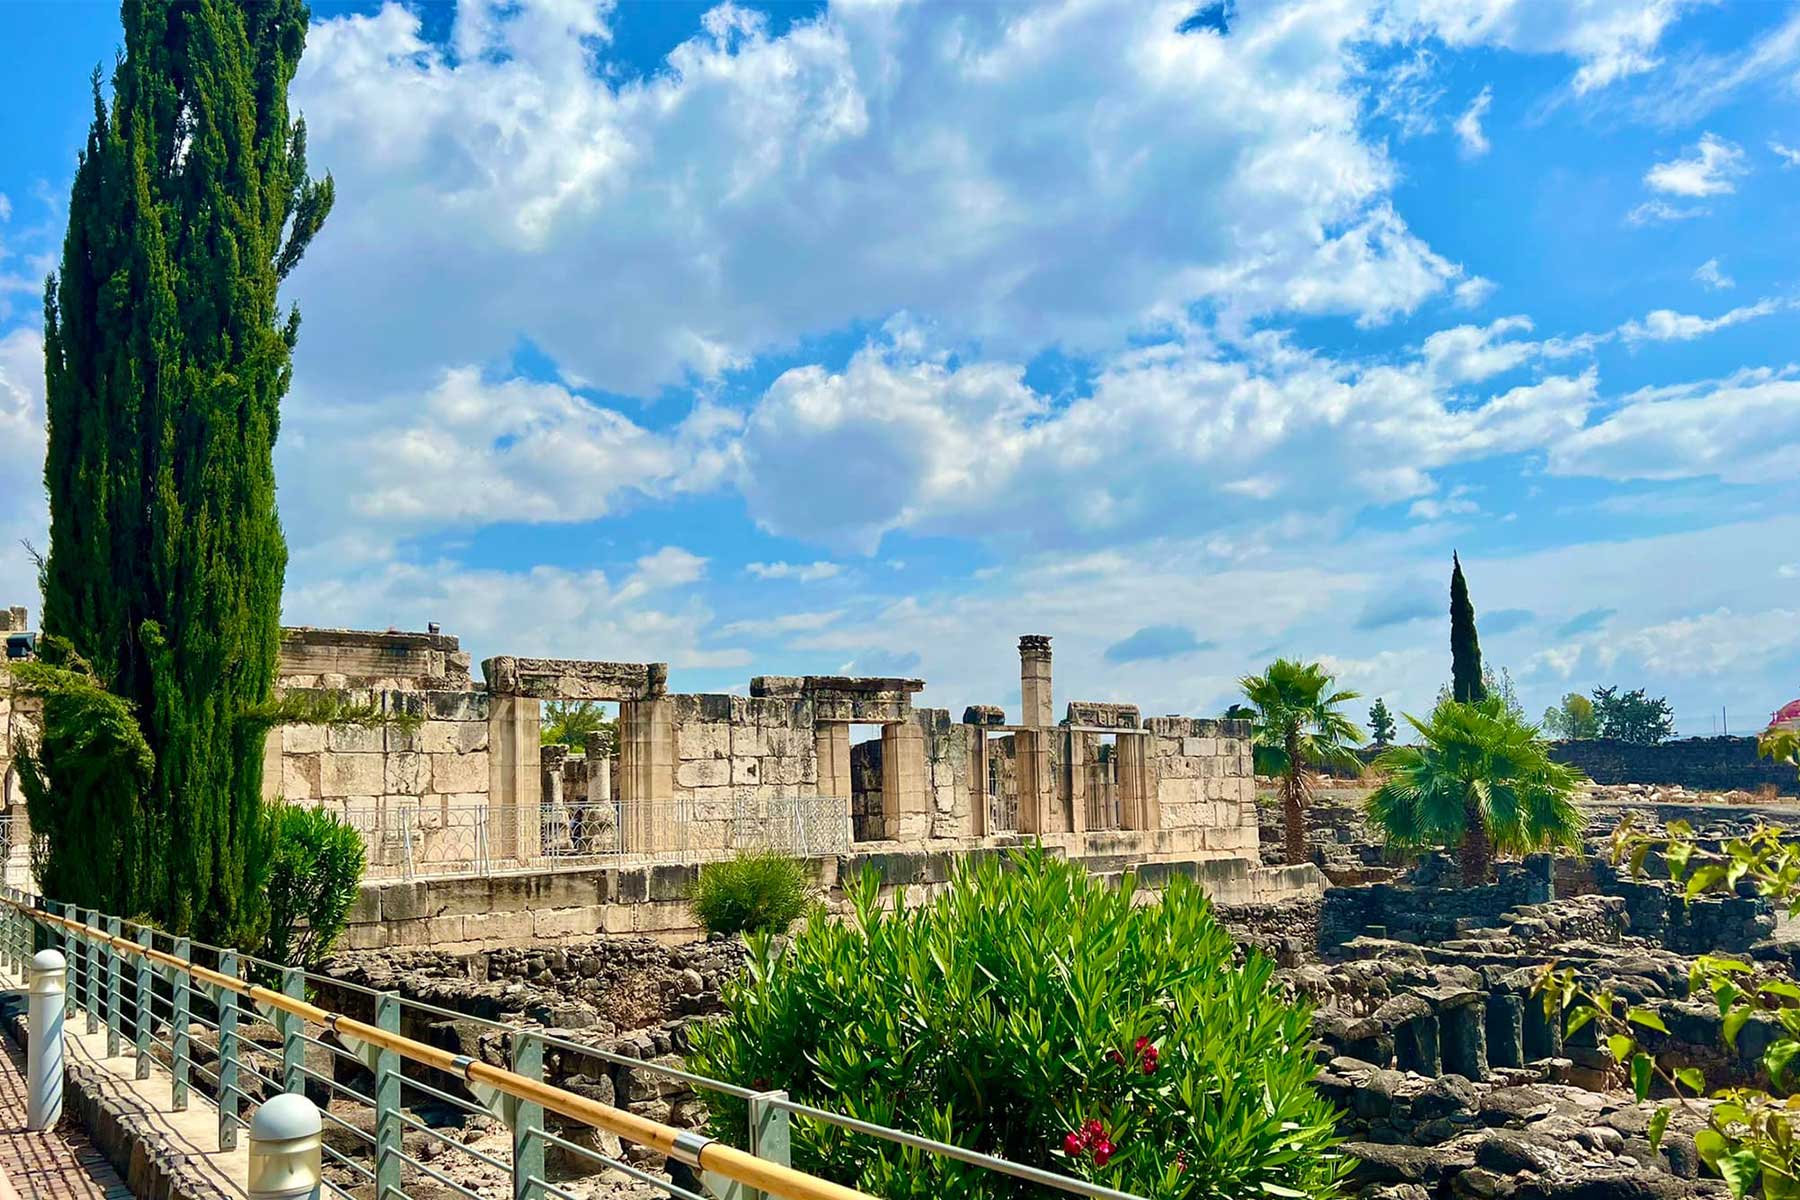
(315, 865)
(1036, 1013)
(759, 891)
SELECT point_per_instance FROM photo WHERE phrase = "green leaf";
(1778, 1057)
(1692, 1078)
(1577, 1018)
(1646, 1018)
(1708, 876)
(1739, 1170)
(1621, 1046)
(1734, 1021)
(1659, 1121)
(1711, 1145)
(1640, 1076)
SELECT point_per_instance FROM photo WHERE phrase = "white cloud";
(800, 572)
(1661, 210)
(1473, 292)
(5, 207)
(1710, 274)
(23, 513)
(1701, 82)
(781, 626)
(875, 159)
(1718, 643)
(1789, 156)
(1470, 353)
(1666, 325)
(1468, 125)
(1710, 171)
(1739, 429)
(1611, 39)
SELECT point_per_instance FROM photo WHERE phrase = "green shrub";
(1028, 1003)
(759, 891)
(315, 865)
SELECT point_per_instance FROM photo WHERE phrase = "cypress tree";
(1465, 648)
(166, 358)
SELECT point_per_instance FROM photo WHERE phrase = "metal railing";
(401, 1112)
(414, 841)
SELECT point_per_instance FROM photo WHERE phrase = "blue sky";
(864, 337)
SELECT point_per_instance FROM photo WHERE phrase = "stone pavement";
(58, 1164)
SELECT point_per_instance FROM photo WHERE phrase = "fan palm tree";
(1298, 728)
(1482, 782)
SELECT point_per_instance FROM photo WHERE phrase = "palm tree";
(1483, 782)
(1297, 729)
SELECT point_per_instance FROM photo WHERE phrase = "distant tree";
(568, 723)
(1298, 729)
(1381, 724)
(1482, 781)
(1634, 716)
(1573, 719)
(1466, 681)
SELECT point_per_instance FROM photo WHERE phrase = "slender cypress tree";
(1465, 648)
(166, 358)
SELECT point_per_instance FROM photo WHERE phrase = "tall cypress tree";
(166, 358)
(1465, 648)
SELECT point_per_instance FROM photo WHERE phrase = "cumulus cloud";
(869, 160)
(800, 572)
(1710, 274)
(1666, 325)
(1789, 156)
(1738, 429)
(1468, 126)
(1611, 39)
(1712, 170)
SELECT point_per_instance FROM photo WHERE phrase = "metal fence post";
(94, 975)
(71, 950)
(527, 1120)
(144, 1009)
(183, 1057)
(228, 1054)
(293, 1050)
(389, 1130)
(769, 1132)
(114, 964)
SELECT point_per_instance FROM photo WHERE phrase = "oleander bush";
(315, 865)
(759, 891)
(1033, 1012)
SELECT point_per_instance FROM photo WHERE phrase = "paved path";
(57, 1164)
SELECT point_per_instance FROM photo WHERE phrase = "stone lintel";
(298, 636)
(836, 687)
(574, 679)
(1101, 715)
(984, 714)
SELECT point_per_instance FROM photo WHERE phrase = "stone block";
(352, 775)
(746, 772)
(300, 776)
(568, 922)
(707, 740)
(302, 739)
(406, 774)
(453, 737)
(355, 739)
(459, 772)
(703, 773)
(747, 741)
(428, 931)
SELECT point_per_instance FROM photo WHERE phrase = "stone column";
(1037, 784)
(1077, 769)
(1034, 680)
(1463, 1032)
(831, 741)
(905, 801)
(515, 785)
(1136, 811)
(978, 780)
(647, 776)
(1505, 1030)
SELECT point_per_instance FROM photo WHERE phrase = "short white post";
(44, 1041)
(284, 1149)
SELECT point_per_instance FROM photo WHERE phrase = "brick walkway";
(59, 1165)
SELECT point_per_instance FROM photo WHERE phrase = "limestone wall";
(1204, 782)
(733, 755)
(443, 761)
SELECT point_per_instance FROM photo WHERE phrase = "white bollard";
(44, 1041)
(284, 1149)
